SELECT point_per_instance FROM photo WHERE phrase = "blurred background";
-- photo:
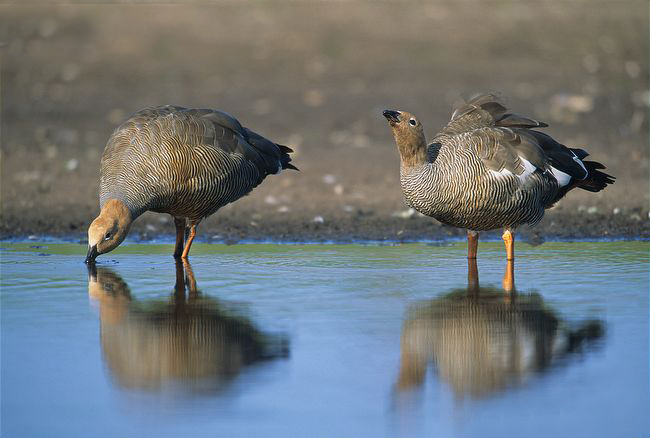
(316, 76)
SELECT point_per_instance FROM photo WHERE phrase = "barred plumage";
(190, 339)
(479, 343)
(488, 168)
(184, 162)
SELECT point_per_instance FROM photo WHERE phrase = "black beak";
(392, 116)
(92, 254)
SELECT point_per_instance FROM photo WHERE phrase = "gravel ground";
(315, 76)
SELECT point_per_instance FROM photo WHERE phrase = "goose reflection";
(481, 340)
(189, 341)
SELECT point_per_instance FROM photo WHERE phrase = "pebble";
(405, 214)
(283, 209)
(318, 219)
(338, 189)
(72, 165)
(632, 69)
(151, 228)
(271, 200)
(616, 210)
(592, 210)
(329, 178)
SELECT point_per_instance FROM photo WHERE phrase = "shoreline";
(376, 229)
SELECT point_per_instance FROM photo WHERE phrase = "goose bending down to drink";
(488, 169)
(184, 162)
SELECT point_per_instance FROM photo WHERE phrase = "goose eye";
(107, 236)
(413, 122)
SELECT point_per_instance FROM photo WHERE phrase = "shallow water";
(325, 340)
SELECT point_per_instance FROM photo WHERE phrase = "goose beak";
(92, 254)
(392, 116)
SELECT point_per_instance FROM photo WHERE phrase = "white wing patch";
(529, 169)
(561, 177)
(579, 161)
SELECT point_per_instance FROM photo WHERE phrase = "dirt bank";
(316, 76)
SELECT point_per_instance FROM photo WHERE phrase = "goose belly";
(479, 203)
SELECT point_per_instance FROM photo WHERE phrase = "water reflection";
(483, 340)
(189, 341)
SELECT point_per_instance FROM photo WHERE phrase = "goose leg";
(509, 276)
(472, 244)
(180, 236)
(509, 239)
(188, 244)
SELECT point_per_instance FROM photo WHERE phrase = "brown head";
(109, 229)
(409, 136)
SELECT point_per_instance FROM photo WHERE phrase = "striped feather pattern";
(488, 169)
(185, 162)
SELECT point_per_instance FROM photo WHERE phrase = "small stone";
(616, 210)
(635, 216)
(313, 98)
(318, 219)
(348, 208)
(271, 200)
(72, 165)
(329, 179)
(405, 214)
(32, 237)
(592, 210)
(338, 189)
(151, 228)
(254, 224)
(70, 72)
(283, 209)
(632, 69)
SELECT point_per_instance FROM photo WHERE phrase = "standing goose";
(488, 169)
(184, 162)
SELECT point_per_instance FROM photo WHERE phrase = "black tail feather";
(285, 158)
(596, 180)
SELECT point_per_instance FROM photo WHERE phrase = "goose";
(181, 161)
(487, 169)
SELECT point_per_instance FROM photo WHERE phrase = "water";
(332, 340)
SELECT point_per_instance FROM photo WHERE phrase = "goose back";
(186, 162)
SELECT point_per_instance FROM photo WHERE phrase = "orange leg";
(190, 238)
(509, 240)
(509, 276)
(180, 236)
(472, 244)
